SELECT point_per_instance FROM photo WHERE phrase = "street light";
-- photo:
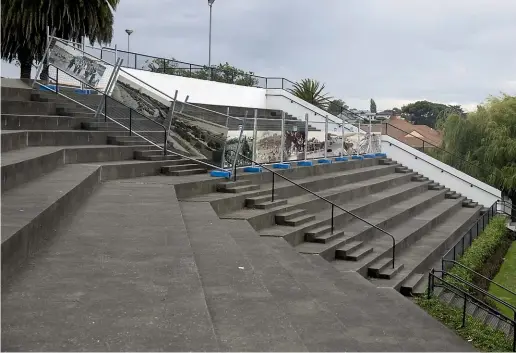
(210, 3)
(129, 32)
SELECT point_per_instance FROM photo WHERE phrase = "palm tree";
(24, 25)
(311, 91)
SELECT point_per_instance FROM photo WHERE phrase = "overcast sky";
(395, 51)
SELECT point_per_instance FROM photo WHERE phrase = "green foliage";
(481, 336)
(486, 139)
(372, 106)
(311, 91)
(222, 73)
(336, 106)
(507, 278)
(482, 248)
(428, 113)
(24, 26)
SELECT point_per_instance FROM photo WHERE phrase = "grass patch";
(507, 278)
(481, 336)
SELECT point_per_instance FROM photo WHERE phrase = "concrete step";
(270, 204)
(359, 253)
(405, 234)
(31, 213)
(297, 221)
(452, 195)
(188, 172)
(323, 234)
(388, 273)
(411, 283)
(421, 256)
(231, 184)
(13, 140)
(252, 201)
(404, 201)
(284, 216)
(343, 251)
(159, 157)
(41, 122)
(105, 126)
(27, 107)
(183, 166)
(241, 188)
(66, 137)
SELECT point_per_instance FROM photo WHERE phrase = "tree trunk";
(25, 59)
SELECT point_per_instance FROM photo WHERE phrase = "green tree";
(222, 73)
(311, 91)
(427, 113)
(372, 106)
(336, 106)
(24, 26)
(486, 140)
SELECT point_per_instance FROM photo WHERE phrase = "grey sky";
(395, 51)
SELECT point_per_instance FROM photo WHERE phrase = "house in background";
(412, 135)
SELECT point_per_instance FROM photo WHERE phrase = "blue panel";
(82, 91)
(220, 173)
(281, 165)
(380, 154)
(357, 157)
(47, 88)
(341, 159)
(252, 169)
(305, 163)
(324, 161)
(369, 155)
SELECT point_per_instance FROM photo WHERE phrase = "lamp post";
(129, 32)
(210, 3)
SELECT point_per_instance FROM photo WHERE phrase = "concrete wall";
(439, 172)
(201, 91)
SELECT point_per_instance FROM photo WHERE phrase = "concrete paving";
(136, 270)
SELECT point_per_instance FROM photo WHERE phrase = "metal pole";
(272, 198)
(358, 138)
(105, 107)
(282, 143)
(110, 84)
(464, 310)
(128, 36)
(255, 132)
(57, 80)
(131, 123)
(306, 133)
(332, 209)
(223, 162)
(242, 127)
(209, 48)
(326, 137)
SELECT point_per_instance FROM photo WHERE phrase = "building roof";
(412, 135)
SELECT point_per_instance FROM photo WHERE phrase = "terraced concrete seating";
(51, 163)
(424, 217)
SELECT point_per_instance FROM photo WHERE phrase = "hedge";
(485, 256)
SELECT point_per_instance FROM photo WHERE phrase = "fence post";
(282, 143)
(464, 310)
(164, 66)
(131, 123)
(272, 198)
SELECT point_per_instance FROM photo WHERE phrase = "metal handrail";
(480, 275)
(478, 289)
(479, 303)
(333, 205)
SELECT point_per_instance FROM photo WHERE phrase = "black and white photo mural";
(78, 65)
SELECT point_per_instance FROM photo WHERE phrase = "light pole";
(210, 3)
(129, 32)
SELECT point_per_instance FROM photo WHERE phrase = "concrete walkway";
(137, 270)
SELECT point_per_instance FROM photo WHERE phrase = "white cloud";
(395, 51)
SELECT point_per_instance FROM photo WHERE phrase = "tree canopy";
(311, 91)
(486, 139)
(336, 106)
(222, 73)
(428, 113)
(372, 106)
(24, 26)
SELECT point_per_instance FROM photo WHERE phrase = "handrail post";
(464, 310)
(332, 224)
(130, 122)
(272, 198)
(393, 251)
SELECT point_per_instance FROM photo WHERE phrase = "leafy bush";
(482, 248)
